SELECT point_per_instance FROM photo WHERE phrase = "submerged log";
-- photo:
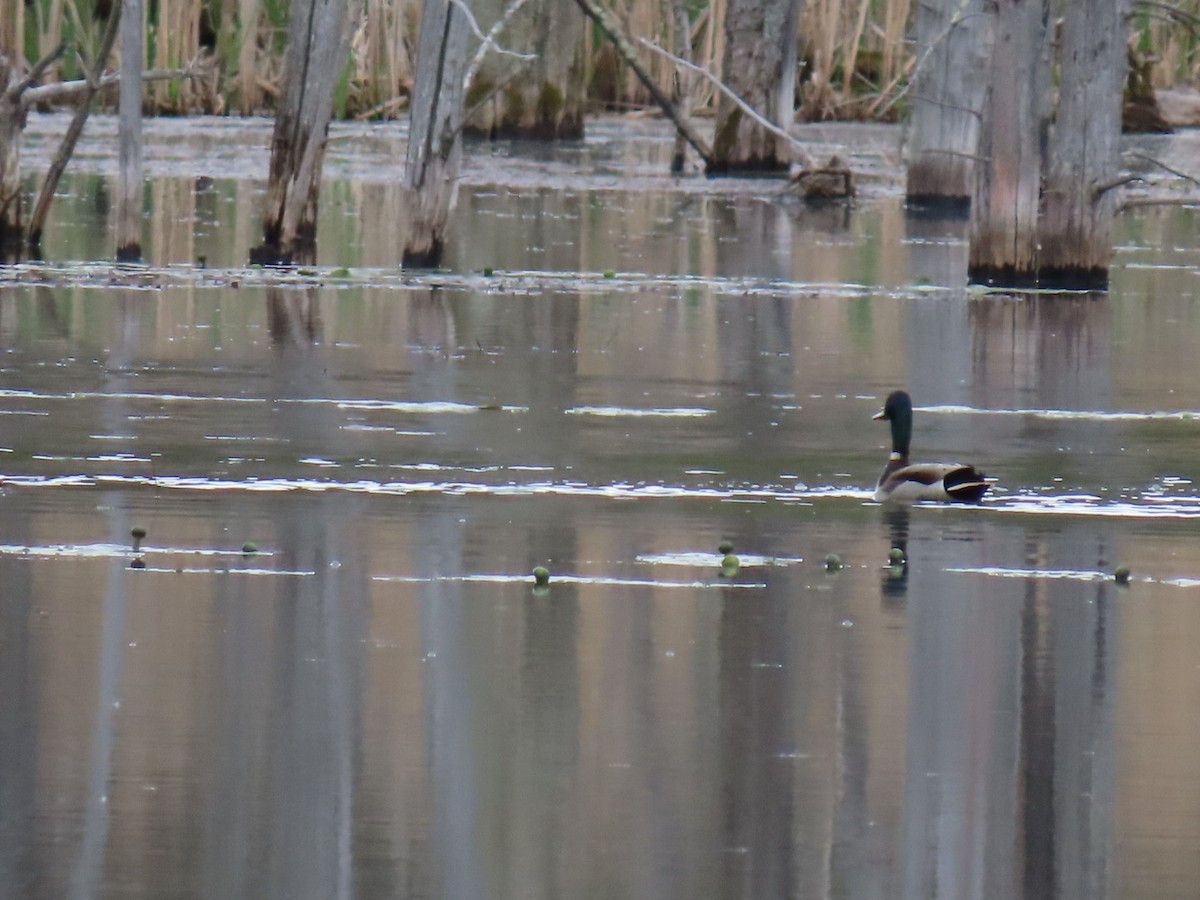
(832, 182)
(129, 105)
(435, 131)
(1084, 158)
(947, 100)
(318, 44)
(541, 97)
(1004, 211)
(760, 67)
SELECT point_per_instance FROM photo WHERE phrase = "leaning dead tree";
(760, 67)
(318, 44)
(533, 87)
(1070, 167)
(946, 98)
(435, 130)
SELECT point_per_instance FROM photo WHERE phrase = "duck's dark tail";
(966, 483)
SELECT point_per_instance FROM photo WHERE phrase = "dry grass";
(855, 54)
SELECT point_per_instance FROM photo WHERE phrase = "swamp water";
(380, 703)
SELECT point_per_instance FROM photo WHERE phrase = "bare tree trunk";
(1005, 208)
(682, 96)
(12, 121)
(1084, 158)
(318, 42)
(129, 184)
(540, 98)
(947, 100)
(760, 67)
(435, 132)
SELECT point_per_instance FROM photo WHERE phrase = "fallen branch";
(604, 19)
(1162, 165)
(62, 90)
(1158, 201)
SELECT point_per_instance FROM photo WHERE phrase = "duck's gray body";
(909, 482)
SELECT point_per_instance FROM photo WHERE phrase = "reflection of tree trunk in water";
(88, 875)
(293, 316)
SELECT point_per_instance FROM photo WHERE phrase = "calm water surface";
(380, 703)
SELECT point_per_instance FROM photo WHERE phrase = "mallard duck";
(905, 481)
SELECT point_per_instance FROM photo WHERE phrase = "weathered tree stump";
(1004, 211)
(760, 67)
(12, 122)
(947, 100)
(435, 132)
(129, 111)
(318, 44)
(1083, 159)
(541, 98)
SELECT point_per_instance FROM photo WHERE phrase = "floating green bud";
(541, 576)
(725, 547)
(1121, 574)
(833, 562)
(249, 548)
(896, 557)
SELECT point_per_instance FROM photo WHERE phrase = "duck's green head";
(897, 409)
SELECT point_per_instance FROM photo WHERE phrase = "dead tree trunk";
(318, 42)
(541, 97)
(1004, 212)
(12, 121)
(760, 67)
(682, 96)
(947, 100)
(1083, 156)
(435, 132)
(129, 104)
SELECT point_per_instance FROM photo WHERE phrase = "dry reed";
(855, 54)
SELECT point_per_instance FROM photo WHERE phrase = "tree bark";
(682, 95)
(947, 101)
(12, 121)
(760, 67)
(1004, 212)
(435, 132)
(129, 105)
(1084, 158)
(318, 43)
(543, 99)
